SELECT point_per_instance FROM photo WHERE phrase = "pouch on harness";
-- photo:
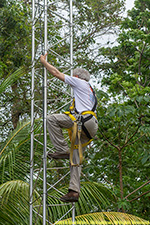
(77, 128)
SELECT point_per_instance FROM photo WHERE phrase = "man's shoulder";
(73, 80)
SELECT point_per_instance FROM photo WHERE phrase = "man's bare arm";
(51, 68)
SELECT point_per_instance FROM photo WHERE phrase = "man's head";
(81, 73)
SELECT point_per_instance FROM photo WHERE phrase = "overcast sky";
(129, 4)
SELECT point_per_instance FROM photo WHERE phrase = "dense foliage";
(123, 141)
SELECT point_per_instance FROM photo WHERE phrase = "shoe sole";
(69, 200)
(60, 156)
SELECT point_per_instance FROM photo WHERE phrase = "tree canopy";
(124, 114)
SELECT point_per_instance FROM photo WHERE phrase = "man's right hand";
(43, 58)
(51, 68)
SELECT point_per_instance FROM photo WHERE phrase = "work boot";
(71, 196)
(59, 155)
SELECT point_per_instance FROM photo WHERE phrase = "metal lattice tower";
(43, 40)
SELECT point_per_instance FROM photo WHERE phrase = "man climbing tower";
(85, 107)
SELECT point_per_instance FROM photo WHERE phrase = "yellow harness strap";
(76, 130)
(73, 133)
(83, 145)
(89, 112)
(70, 115)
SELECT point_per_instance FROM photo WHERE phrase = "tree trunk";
(120, 174)
(120, 177)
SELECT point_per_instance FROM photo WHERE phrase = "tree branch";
(135, 140)
(137, 189)
(115, 146)
(127, 94)
(139, 196)
(130, 137)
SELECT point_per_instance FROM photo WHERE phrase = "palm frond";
(15, 133)
(21, 133)
(93, 197)
(14, 203)
(105, 218)
(14, 206)
(11, 79)
(15, 152)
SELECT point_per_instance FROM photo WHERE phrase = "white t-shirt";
(84, 98)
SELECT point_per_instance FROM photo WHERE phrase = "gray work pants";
(55, 123)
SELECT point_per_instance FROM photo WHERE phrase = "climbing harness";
(77, 128)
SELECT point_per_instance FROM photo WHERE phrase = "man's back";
(84, 98)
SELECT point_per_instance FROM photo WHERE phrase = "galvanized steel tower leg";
(34, 11)
(73, 214)
(71, 38)
(32, 112)
(44, 117)
(71, 74)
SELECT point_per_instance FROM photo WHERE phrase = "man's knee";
(50, 119)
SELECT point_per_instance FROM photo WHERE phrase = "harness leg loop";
(77, 129)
